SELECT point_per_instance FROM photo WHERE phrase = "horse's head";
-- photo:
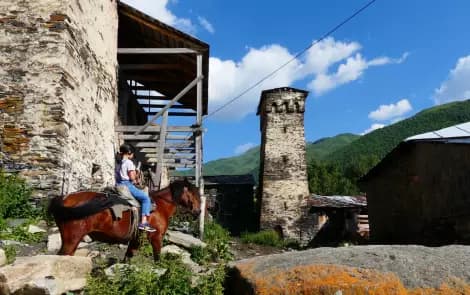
(186, 195)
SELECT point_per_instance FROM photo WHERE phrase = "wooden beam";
(152, 137)
(161, 148)
(198, 174)
(155, 154)
(171, 103)
(155, 106)
(155, 128)
(155, 51)
(170, 151)
(186, 144)
(171, 161)
(175, 114)
(145, 67)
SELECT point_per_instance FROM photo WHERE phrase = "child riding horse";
(78, 215)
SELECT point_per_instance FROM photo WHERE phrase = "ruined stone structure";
(58, 91)
(283, 166)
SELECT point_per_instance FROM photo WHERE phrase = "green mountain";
(248, 162)
(370, 148)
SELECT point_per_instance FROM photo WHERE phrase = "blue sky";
(393, 60)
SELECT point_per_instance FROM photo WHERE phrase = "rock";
(45, 274)
(53, 229)
(16, 222)
(354, 270)
(184, 240)
(33, 229)
(54, 242)
(87, 239)
(12, 243)
(185, 257)
(82, 252)
(3, 257)
(111, 271)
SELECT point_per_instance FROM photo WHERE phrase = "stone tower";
(283, 166)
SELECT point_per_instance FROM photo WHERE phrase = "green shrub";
(15, 197)
(265, 237)
(21, 234)
(212, 284)
(217, 239)
(10, 253)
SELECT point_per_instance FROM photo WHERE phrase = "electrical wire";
(324, 36)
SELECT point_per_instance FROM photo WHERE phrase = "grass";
(265, 237)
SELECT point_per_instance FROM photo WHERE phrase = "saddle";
(126, 202)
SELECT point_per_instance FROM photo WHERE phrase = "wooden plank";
(186, 144)
(152, 137)
(171, 156)
(171, 161)
(145, 67)
(171, 103)
(155, 51)
(155, 128)
(159, 106)
(167, 151)
(175, 114)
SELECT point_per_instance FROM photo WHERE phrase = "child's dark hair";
(126, 149)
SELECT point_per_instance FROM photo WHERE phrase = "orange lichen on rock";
(323, 280)
(329, 279)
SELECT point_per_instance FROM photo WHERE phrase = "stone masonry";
(283, 169)
(58, 91)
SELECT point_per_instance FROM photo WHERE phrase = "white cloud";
(228, 78)
(457, 85)
(159, 10)
(391, 111)
(244, 147)
(206, 24)
(373, 127)
(349, 71)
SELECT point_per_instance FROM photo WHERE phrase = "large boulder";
(44, 274)
(184, 240)
(355, 270)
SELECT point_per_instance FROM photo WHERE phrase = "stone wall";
(58, 91)
(283, 170)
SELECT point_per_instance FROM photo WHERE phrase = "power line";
(324, 36)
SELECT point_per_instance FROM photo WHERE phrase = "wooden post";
(161, 148)
(198, 172)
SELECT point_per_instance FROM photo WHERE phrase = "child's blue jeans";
(140, 195)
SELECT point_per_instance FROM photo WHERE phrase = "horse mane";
(177, 188)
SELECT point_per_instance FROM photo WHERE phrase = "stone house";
(77, 78)
(419, 193)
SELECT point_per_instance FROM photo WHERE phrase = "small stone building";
(72, 75)
(283, 177)
(340, 219)
(419, 193)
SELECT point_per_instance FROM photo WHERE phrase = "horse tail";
(54, 207)
(63, 213)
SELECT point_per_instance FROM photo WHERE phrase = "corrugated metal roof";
(337, 201)
(456, 131)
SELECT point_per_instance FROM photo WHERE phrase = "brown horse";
(80, 214)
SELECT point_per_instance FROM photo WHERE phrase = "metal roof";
(337, 201)
(456, 131)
